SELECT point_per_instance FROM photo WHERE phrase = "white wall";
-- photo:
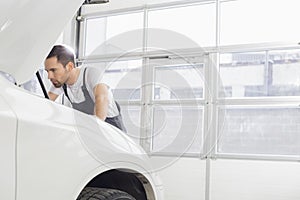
(259, 180)
(184, 179)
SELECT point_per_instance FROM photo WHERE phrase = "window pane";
(131, 119)
(243, 75)
(110, 34)
(195, 22)
(247, 74)
(255, 21)
(285, 69)
(265, 130)
(178, 82)
(177, 129)
(123, 77)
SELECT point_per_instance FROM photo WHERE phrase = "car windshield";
(9, 77)
(32, 85)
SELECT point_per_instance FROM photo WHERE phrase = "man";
(82, 86)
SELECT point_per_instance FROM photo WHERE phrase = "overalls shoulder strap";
(65, 85)
(65, 91)
(84, 85)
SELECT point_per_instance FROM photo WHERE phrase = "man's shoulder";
(93, 72)
(93, 69)
(92, 75)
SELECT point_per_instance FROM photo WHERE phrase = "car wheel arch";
(126, 180)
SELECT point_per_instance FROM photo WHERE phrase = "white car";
(49, 151)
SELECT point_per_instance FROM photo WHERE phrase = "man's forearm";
(101, 108)
(101, 101)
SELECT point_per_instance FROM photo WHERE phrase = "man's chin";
(57, 85)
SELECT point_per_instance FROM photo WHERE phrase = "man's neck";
(74, 74)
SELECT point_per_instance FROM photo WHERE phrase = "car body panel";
(28, 29)
(59, 150)
(8, 124)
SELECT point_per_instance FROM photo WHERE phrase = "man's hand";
(101, 101)
(52, 96)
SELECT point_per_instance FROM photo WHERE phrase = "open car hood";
(28, 29)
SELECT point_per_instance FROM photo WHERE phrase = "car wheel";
(92, 193)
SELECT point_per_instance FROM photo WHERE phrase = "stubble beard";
(57, 84)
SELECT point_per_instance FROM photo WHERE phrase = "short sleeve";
(94, 76)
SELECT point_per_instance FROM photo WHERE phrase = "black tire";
(92, 193)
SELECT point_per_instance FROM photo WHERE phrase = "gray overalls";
(87, 106)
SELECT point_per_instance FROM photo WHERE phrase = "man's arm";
(52, 96)
(101, 101)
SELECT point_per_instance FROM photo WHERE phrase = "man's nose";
(50, 75)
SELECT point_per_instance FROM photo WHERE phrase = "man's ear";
(70, 66)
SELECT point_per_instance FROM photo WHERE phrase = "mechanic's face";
(57, 73)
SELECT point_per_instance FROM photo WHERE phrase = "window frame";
(211, 101)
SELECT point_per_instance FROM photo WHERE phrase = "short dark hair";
(63, 54)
